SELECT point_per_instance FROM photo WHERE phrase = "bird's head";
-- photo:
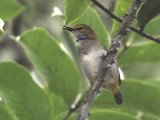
(81, 32)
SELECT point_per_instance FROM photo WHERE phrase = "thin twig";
(105, 65)
(74, 109)
(120, 20)
(145, 35)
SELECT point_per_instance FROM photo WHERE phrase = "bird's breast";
(90, 64)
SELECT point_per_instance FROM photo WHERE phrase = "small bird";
(91, 53)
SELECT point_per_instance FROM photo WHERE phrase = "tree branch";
(120, 20)
(71, 110)
(111, 57)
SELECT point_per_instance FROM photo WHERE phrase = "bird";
(91, 53)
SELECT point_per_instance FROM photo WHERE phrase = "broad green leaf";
(13, 104)
(58, 68)
(154, 82)
(141, 53)
(150, 9)
(152, 28)
(10, 9)
(96, 24)
(4, 114)
(62, 116)
(58, 105)
(137, 113)
(142, 71)
(139, 95)
(107, 114)
(75, 8)
(24, 98)
(121, 9)
(112, 114)
(150, 117)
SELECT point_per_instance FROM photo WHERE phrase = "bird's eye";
(80, 28)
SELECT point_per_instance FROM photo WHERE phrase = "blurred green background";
(40, 75)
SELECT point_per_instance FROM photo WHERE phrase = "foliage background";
(40, 77)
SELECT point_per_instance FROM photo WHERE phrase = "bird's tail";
(117, 95)
(118, 98)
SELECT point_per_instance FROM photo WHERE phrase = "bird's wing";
(103, 56)
(102, 53)
(119, 78)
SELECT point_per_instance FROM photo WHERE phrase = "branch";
(111, 57)
(120, 20)
(71, 110)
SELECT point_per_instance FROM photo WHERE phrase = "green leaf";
(111, 114)
(57, 67)
(142, 71)
(121, 9)
(62, 116)
(141, 53)
(96, 24)
(10, 103)
(24, 98)
(153, 26)
(58, 105)
(149, 117)
(137, 113)
(10, 9)
(75, 8)
(151, 7)
(139, 95)
(4, 115)
(107, 114)
(154, 82)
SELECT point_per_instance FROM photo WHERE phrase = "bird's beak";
(68, 28)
